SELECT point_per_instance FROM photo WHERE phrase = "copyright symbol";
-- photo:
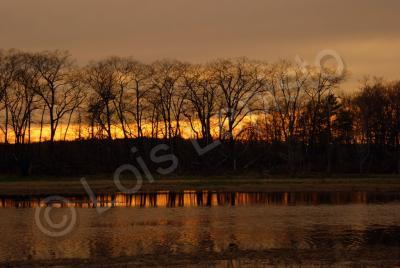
(47, 225)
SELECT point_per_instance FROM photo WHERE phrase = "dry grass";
(72, 185)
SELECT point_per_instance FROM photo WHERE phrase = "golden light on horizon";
(83, 131)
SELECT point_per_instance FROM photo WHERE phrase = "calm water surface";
(220, 229)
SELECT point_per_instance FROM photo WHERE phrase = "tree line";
(237, 101)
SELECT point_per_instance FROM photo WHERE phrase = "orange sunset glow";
(184, 133)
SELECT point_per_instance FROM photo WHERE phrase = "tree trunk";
(6, 127)
(108, 122)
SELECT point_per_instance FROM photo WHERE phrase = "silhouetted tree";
(281, 117)
(287, 83)
(58, 89)
(203, 96)
(240, 82)
(169, 94)
(141, 78)
(8, 65)
(101, 78)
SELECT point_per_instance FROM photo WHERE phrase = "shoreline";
(73, 186)
(233, 256)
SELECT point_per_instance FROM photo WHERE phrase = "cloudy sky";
(366, 33)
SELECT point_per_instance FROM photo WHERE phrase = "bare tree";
(141, 78)
(167, 82)
(8, 66)
(122, 88)
(76, 79)
(155, 117)
(101, 79)
(240, 83)
(59, 89)
(394, 97)
(287, 83)
(21, 103)
(203, 96)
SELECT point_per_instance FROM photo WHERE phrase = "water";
(169, 199)
(207, 229)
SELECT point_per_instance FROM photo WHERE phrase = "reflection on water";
(164, 199)
(350, 228)
(203, 232)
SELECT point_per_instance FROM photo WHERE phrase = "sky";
(365, 33)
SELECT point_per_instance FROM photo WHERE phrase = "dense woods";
(60, 118)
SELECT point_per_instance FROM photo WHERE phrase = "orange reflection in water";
(191, 198)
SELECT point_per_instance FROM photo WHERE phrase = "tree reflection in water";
(171, 199)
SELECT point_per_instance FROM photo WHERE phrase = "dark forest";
(264, 118)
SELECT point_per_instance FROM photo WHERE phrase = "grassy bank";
(99, 184)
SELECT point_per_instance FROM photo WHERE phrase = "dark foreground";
(378, 257)
(104, 184)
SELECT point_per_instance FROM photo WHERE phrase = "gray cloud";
(365, 32)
